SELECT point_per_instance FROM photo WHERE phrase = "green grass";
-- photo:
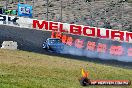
(20, 69)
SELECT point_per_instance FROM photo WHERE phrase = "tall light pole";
(6, 4)
(91, 15)
(33, 8)
(91, 11)
(61, 10)
(123, 1)
(105, 10)
(47, 9)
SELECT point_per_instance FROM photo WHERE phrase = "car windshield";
(54, 41)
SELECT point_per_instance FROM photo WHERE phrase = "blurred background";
(112, 14)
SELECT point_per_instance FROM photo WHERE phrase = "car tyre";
(44, 46)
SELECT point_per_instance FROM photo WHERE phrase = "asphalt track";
(31, 40)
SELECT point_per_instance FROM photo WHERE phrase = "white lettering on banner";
(24, 10)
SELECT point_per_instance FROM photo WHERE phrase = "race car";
(53, 45)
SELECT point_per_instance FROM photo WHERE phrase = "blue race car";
(53, 45)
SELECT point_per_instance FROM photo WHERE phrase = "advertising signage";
(95, 47)
(24, 10)
(122, 36)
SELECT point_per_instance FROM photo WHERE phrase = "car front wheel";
(44, 46)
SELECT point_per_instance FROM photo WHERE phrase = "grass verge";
(20, 69)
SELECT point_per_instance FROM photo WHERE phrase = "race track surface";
(31, 40)
(27, 39)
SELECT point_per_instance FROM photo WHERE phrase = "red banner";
(110, 47)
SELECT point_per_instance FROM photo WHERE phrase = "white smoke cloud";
(90, 54)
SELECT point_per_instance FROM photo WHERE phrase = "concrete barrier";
(27, 40)
(32, 40)
(9, 45)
